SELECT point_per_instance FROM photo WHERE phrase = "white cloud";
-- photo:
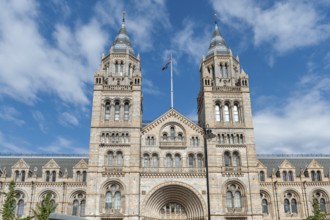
(9, 113)
(149, 87)
(144, 19)
(66, 118)
(30, 64)
(8, 147)
(301, 123)
(62, 145)
(190, 42)
(40, 119)
(285, 25)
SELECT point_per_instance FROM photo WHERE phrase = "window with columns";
(226, 114)
(79, 204)
(232, 159)
(107, 110)
(20, 204)
(217, 112)
(126, 111)
(233, 196)
(265, 203)
(20, 176)
(322, 199)
(113, 197)
(114, 159)
(117, 111)
(290, 203)
(50, 176)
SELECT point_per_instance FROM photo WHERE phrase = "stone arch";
(175, 192)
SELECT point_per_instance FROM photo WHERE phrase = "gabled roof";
(286, 165)
(172, 113)
(21, 164)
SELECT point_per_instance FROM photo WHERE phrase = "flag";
(168, 63)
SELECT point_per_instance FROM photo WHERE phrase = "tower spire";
(123, 20)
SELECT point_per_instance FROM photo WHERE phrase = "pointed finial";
(124, 13)
(215, 18)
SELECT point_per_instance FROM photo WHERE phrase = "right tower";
(224, 107)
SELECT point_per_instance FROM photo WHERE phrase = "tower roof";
(217, 44)
(122, 41)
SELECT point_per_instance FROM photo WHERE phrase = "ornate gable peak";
(172, 113)
(286, 165)
(314, 164)
(51, 165)
(21, 164)
(82, 164)
(261, 165)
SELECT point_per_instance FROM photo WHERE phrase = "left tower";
(113, 172)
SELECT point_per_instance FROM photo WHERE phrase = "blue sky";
(49, 51)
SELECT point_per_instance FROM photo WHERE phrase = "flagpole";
(171, 83)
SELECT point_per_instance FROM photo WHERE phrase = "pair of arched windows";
(115, 159)
(117, 111)
(150, 161)
(197, 162)
(224, 70)
(113, 197)
(173, 211)
(287, 176)
(262, 176)
(234, 196)
(232, 159)
(169, 161)
(20, 176)
(316, 175)
(227, 116)
(194, 141)
(230, 138)
(79, 205)
(113, 138)
(119, 67)
(150, 141)
(81, 176)
(290, 203)
(50, 176)
(19, 209)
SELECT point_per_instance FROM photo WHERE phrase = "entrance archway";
(173, 201)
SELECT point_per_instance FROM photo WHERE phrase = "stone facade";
(171, 168)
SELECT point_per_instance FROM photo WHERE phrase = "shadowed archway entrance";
(173, 202)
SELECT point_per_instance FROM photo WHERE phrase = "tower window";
(126, 111)
(117, 111)
(235, 113)
(172, 133)
(107, 111)
(226, 113)
(217, 112)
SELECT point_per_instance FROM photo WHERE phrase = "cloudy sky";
(49, 51)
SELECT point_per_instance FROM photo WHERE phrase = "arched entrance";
(173, 202)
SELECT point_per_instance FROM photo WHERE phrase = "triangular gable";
(51, 164)
(21, 164)
(172, 113)
(82, 164)
(286, 165)
(314, 164)
(260, 165)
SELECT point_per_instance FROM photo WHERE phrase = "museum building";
(172, 167)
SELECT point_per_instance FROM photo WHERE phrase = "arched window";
(117, 200)
(284, 176)
(236, 159)
(313, 175)
(168, 161)
(47, 176)
(199, 161)
(117, 111)
(322, 205)
(240, 139)
(17, 176)
(116, 67)
(227, 159)
(75, 206)
(226, 113)
(191, 161)
(286, 206)
(164, 137)
(290, 203)
(235, 113)
(221, 70)
(154, 160)
(110, 158)
(78, 176)
(152, 141)
(121, 68)
(172, 133)
(54, 176)
(82, 207)
(233, 196)
(229, 199)
(237, 201)
(177, 161)
(107, 111)
(145, 160)
(262, 176)
(318, 175)
(113, 197)
(20, 208)
(84, 176)
(119, 159)
(108, 200)
(290, 176)
(23, 176)
(126, 111)
(264, 205)
(217, 112)
(294, 206)
(180, 138)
